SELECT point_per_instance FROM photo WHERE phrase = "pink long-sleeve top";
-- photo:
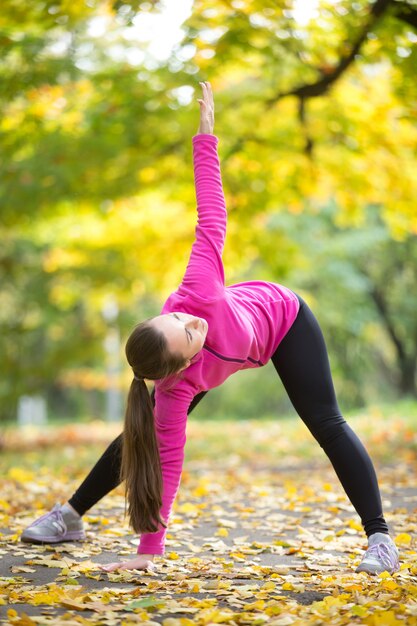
(246, 323)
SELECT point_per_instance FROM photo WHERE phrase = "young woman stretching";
(205, 333)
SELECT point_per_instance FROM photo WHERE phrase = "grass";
(388, 432)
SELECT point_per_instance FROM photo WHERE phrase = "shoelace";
(57, 515)
(385, 553)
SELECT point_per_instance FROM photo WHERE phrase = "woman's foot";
(60, 524)
(381, 555)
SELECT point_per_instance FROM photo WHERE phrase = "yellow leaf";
(272, 610)
(222, 532)
(187, 507)
(331, 601)
(50, 563)
(211, 584)
(390, 584)
(217, 617)
(24, 620)
(354, 587)
(86, 566)
(386, 618)
(143, 615)
(20, 475)
(228, 523)
(201, 490)
(403, 538)
(226, 584)
(358, 610)
(173, 556)
(252, 606)
(53, 595)
(284, 620)
(268, 586)
(287, 586)
(354, 524)
(73, 604)
(22, 568)
(106, 597)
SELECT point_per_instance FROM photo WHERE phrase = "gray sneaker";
(381, 555)
(54, 527)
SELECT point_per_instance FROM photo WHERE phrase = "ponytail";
(146, 351)
(141, 465)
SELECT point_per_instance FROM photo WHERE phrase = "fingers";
(207, 94)
(204, 101)
(110, 567)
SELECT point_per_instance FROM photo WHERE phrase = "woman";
(205, 333)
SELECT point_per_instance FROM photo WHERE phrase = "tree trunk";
(407, 379)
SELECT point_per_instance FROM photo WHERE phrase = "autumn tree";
(95, 181)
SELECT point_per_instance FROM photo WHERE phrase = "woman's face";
(185, 333)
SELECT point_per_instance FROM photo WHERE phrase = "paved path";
(248, 553)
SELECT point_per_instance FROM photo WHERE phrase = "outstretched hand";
(142, 561)
(206, 110)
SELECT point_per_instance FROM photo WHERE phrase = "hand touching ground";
(142, 561)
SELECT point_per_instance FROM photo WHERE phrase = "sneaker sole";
(71, 536)
(375, 572)
(371, 572)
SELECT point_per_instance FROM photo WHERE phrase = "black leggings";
(302, 363)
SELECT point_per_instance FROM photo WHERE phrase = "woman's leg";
(302, 363)
(105, 474)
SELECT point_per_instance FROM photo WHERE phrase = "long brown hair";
(148, 355)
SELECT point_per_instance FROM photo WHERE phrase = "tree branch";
(326, 80)
(406, 13)
(308, 147)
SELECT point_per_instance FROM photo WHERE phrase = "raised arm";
(204, 275)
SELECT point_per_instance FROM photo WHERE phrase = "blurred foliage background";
(316, 112)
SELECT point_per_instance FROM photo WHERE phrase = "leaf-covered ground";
(262, 532)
